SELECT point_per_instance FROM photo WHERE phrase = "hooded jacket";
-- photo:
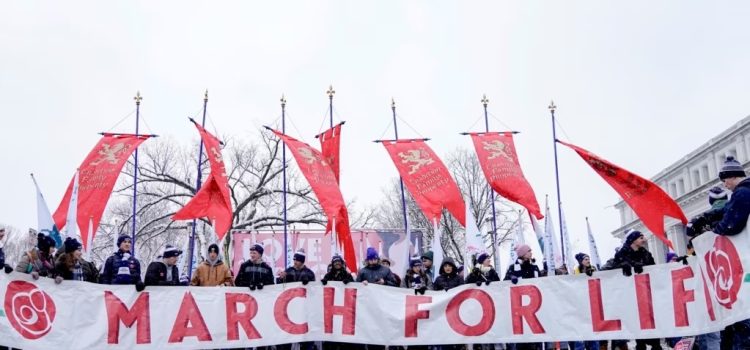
(211, 275)
(446, 280)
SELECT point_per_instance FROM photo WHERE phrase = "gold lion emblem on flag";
(497, 148)
(310, 156)
(417, 158)
(110, 153)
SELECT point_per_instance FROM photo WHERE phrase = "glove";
(589, 272)
(683, 259)
(514, 279)
(305, 281)
(479, 283)
(58, 280)
(260, 286)
(184, 280)
(8, 269)
(638, 268)
(346, 281)
(422, 290)
(324, 281)
(139, 286)
(252, 287)
(35, 275)
(488, 282)
(627, 271)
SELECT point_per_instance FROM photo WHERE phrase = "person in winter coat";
(374, 272)
(39, 262)
(427, 264)
(632, 257)
(524, 266)
(71, 266)
(387, 263)
(254, 273)
(6, 267)
(584, 265)
(337, 271)
(483, 271)
(298, 272)
(706, 221)
(448, 277)
(212, 272)
(416, 277)
(121, 267)
(165, 272)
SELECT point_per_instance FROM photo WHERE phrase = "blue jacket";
(121, 268)
(736, 211)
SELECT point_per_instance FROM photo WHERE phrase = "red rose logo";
(724, 271)
(29, 310)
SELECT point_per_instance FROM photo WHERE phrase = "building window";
(704, 173)
(681, 186)
(697, 178)
(673, 190)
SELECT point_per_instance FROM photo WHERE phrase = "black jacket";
(156, 275)
(374, 273)
(445, 280)
(476, 275)
(522, 269)
(121, 269)
(340, 275)
(254, 274)
(736, 211)
(293, 275)
(627, 257)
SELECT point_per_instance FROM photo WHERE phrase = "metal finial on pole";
(393, 106)
(137, 99)
(552, 109)
(485, 101)
(330, 93)
(198, 187)
(283, 178)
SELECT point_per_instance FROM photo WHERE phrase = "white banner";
(666, 300)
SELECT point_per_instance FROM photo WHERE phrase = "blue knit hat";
(415, 261)
(670, 256)
(372, 254)
(257, 247)
(580, 257)
(717, 193)
(299, 255)
(121, 239)
(632, 236)
(336, 258)
(482, 257)
(731, 168)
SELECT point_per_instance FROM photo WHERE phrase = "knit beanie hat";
(299, 255)
(482, 257)
(257, 247)
(71, 245)
(336, 258)
(428, 255)
(372, 254)
(580, 257)
(670, 256)
(632, 236)
(121, 239)
(415, 261)
(522, 249)
(170, 251)
(44, 242)
(213, 248)
(717, 193)
(731, 168)
(386, 260)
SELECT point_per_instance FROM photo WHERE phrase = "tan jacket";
(211, 276)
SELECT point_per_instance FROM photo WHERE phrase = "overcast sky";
(640, 83)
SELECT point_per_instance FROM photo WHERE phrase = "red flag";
(497, 155)
(428, 180)
(329, 146)
(319, 174)
(97, 176)
(212, 200)
(647, 199)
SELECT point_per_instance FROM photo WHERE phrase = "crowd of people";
(730, 208)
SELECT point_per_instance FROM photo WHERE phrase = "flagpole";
(552, 108)
(283, 176)
(330, 93)
(400, 179)
(137, 99)
(197, 186)
(486, 101)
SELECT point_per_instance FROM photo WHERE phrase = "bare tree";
(467, 172)
(16, 243)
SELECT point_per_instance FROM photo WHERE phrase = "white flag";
(71, 223)
(473, 245)
(592, 247)
(549, 245)
(89, 240)
(437, 248)
(45, 224)
(570, 259)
